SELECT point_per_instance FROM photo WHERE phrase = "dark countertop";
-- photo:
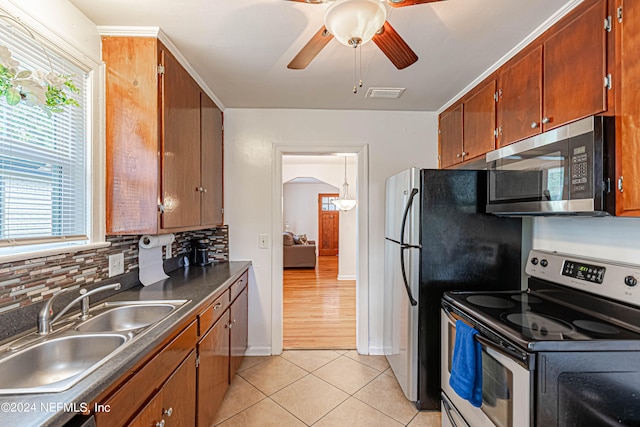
(200, 285)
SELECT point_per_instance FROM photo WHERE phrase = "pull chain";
(360, 70)
(355, 68)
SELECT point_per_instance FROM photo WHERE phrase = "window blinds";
(43, 168)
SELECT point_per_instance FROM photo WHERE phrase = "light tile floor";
(319, 388)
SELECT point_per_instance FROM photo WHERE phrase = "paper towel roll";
(150, 268)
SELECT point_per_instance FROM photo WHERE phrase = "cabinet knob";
(458, 155)
(534, 125)
(168, 412)
(160, 423)
(217, 306)
(204, 190)
(229, 325)
(464, 154)
(546, 120)
(199, 189)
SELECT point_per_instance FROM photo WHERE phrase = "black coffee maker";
(199, 254)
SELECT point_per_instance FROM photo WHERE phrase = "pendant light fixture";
(345, 202)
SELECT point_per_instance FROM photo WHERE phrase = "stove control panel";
(582, 271)
(610, 279)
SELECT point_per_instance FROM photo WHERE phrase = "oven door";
(506, 385)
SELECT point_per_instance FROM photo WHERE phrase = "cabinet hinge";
(197, 361)
(160, 208)
(222, 210)
(497, 132)
(620, 184)
(608, 81)
(607, 24)
(497, 95)
(619, 14)
(160, 69)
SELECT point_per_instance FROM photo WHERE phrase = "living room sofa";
(296, 252)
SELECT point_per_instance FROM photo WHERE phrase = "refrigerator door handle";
(404, 246)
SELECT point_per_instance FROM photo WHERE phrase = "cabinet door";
(574, 69)
(211, 161)
(240, 326)
(180, 146)
(150, 415)
(213, 371)
(480, 122)
(451, 126)
(628, 111)
(520, 98)
(179, 395)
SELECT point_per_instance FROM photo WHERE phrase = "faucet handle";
(83, 291)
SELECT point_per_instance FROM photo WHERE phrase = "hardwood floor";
(319, 310)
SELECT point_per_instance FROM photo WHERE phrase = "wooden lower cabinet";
(174, 405)
(213, 370)
(240, 324)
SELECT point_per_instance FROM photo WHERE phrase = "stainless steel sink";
(127, 318)
(56, 364)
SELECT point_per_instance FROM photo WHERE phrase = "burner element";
(526, 298)
(599, 327)
(489, 301)
(541, 324)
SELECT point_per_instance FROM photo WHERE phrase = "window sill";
(52, 251)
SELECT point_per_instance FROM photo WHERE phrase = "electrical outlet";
(263, 241)
(116, 264)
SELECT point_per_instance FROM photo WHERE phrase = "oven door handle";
(447, 410)
(520, 358)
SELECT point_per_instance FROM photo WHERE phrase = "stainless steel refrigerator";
(438, 238)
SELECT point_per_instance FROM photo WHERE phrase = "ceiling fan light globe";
(355, 19)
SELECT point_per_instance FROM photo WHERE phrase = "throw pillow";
(287, 239)
(303, 239)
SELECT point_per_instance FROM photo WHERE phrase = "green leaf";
(13, 97)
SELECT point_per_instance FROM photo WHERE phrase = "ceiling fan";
(355, 22)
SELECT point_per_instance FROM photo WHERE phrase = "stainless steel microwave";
(565, 171)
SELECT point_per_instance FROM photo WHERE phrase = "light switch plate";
(263, 241)
(116, 264)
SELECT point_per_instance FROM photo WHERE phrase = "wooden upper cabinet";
(450, 130)
(180, 146)
(164, 152)
(628, 109)
(211, 166)
(520, 98)
(479, 122)
(575, 66)
(131, 134)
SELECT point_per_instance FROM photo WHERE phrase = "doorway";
(361, 151)
(328, 225)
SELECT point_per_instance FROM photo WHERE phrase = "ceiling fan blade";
(396, 49)
(403, 3)
(310, 50)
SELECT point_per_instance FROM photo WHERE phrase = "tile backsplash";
(25, 282)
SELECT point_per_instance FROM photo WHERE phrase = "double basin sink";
(56, 361)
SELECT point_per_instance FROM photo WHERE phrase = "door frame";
(337, 211)
(362, 235)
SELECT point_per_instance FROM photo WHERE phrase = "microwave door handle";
(404, 246)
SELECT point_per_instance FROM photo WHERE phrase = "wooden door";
(239, 331)
(328, 225)
(628, 110)
(520, 98)
(479, 122)
(211, 162)
(450, 138)
(150, 415)
(179, 395)
(180, 146)
(575, 65)
(213, 371)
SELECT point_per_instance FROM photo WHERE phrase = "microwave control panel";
(581, 168)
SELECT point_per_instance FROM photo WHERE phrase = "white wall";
(616, 239)
(396, 141)
(300, 207)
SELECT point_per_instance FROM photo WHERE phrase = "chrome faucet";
(46, 318)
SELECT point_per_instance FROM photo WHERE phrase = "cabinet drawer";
(239, 285)
(125, 402)
(207, 318)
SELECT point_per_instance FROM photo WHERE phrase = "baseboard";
(258, 351)
(346, 277)
(376, 351)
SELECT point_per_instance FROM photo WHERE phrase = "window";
(327, 204)
(44, 180)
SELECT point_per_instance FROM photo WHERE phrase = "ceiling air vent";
(385, 92)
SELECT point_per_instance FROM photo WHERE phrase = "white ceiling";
(241, 48)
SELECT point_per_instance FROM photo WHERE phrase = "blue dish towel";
(466, 366)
